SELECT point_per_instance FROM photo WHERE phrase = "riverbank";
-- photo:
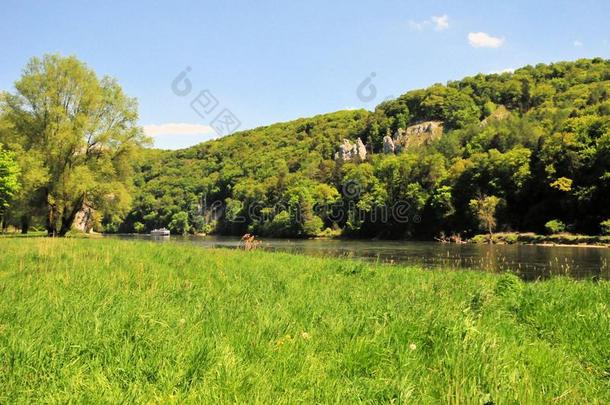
(107, 320)
(499, 238)
(529, 238)
(509, 238)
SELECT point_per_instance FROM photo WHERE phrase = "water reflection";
(530, 262)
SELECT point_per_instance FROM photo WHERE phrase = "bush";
(282, 225)
(555, 226)
(111, 227)
(330, 233)
(605, 227)
(138, 227)
(312, 226)
(480, 239)
(179, 224)
(506, 237)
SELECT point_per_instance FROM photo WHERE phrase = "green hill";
(538, 139)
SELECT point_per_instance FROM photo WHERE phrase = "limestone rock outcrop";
(388, 145)
(345, 151)
(418, 134)
(499, 114)
(351, 152)
(361, 150)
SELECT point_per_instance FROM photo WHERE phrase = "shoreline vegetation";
(529, 238)
(511, 238)
(500, 238)
(98, 320)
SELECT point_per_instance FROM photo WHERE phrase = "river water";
(528, 261)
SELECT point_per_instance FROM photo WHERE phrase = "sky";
(202, 69)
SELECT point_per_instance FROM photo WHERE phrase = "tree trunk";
(25, 224)
(66, 224)
(51, 229)
(51, 217)
(68, 218)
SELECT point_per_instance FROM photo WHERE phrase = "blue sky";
(269, 61)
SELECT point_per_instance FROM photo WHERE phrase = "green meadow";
(84, 320)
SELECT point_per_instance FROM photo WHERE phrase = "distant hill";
(538, 139)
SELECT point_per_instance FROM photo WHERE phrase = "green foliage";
(9, 179)
(80, 135)
(605, 227)
(179, 223)
(554, 226)
(538, 139)
(510, 288)
(175, 323)
(562, 184)
(281, 224)
(312, 226)
(139, 227)
(484, 208)
(479, 239)
(511, 238)
(508, 285)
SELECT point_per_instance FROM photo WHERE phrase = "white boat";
(160, 232)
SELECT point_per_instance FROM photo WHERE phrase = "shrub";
(330, 233)
(555, 226)
(282, 224)
(605, 227)
(480, 239)
(180, 223)
(510, 238)
(312, 226)
(138, 227)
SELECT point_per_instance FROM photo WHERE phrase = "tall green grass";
(108, 321)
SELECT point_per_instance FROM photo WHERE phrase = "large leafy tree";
(25, 202)
(82, 131)
(9, 180)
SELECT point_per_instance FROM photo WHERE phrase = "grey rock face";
(417, 134)
(348, 152)
(361, 150)
(388, 145)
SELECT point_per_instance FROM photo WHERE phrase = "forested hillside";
(517, 150)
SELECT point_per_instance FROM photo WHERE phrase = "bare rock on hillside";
(418, 134)
(361, 150)
(351, 152)
(388, 145)
(500, 113)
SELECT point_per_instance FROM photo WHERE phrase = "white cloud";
(484, 40)
(172, 128)
(439, 23)
(577, 44)
(418, 25)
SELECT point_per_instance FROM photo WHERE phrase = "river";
(528, 261)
